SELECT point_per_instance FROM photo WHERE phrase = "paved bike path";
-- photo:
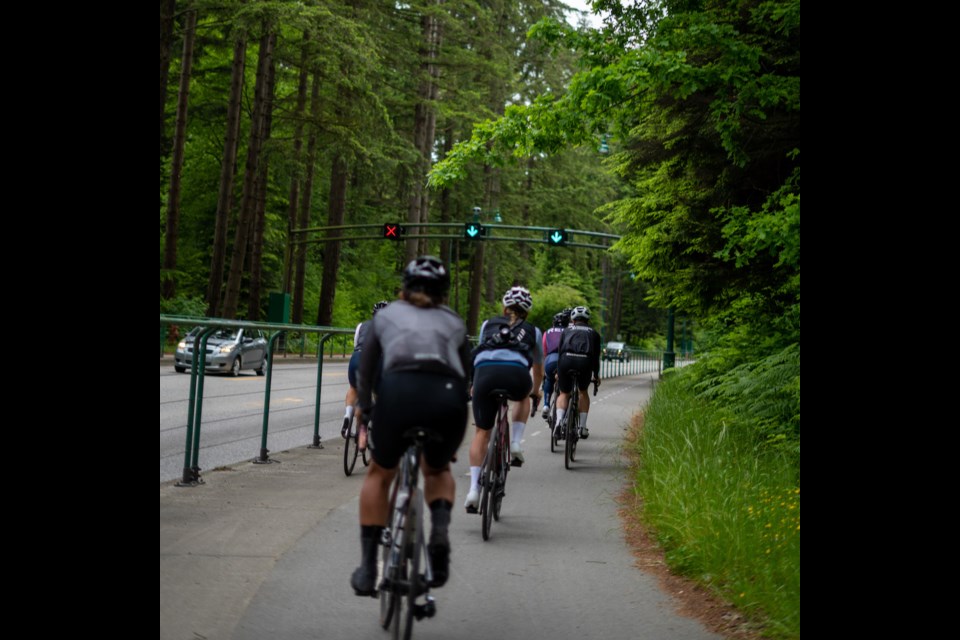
(265, 551)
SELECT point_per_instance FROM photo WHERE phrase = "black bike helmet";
(566, 316)
(427, 274)
(379, 305)
(558, 320)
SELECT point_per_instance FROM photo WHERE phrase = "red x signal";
(392, 231)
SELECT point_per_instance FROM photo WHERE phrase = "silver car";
(228, 351)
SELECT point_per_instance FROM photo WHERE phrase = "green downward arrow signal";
(556, 237)
(473, 231)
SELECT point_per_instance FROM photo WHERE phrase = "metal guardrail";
(191, 468)
(638, 362)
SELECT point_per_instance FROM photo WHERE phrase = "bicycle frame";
(404, 549)
(494, 469)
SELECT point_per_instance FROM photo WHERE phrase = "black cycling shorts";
(513, 378)
(573, 362)
(408, 399)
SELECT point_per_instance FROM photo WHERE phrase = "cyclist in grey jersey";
(422, 347)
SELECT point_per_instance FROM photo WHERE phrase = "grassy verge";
(725, 509)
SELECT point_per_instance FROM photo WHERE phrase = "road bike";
(496, 465)
(569, 429)
(351, 446)
(404, 570)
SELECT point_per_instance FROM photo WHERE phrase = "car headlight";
(182, 345)
(227, 348)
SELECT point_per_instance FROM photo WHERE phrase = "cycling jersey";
(411, 338)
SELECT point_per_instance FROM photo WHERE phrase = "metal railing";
(191, 468)
(636, 362)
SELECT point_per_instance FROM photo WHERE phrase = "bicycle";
(496, 465)
(400, 580)
(351, 447)
(569, 430)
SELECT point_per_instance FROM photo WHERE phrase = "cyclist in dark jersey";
(351, 400)
(425, 367)
(579, 351)
(551, 343)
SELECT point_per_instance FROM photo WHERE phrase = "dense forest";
(277, 116)
(674, 124)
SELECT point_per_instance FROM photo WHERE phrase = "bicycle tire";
(552, 422)
(351, 447)
(570, 435)
(486, 488)
(503, 466)
(389, 596)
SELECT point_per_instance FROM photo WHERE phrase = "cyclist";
(551, 342)
(509, 347)
(351, 400)
(425, 355)
(579, 351)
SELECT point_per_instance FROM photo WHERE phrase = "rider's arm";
(367, 371)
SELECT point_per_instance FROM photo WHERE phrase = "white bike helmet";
(580, 312)
(518, 296)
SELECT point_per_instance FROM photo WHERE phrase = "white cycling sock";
(474, 478)
(517, 429)
(560, 414)
(349, 412)
(583, 419)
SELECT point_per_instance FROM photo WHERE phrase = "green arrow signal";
(473, 230)
(556, 237)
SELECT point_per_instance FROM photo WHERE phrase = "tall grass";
(724, 504)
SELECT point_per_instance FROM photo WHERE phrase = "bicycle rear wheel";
(501, 468)
(552, 422)
(570, 441)
(486, 486)
(413, 551)
(351, 447)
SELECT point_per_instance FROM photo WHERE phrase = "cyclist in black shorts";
(425, 367)
(509, 351)
(579, 350)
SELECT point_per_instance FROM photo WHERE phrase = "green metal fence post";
(198, 411)
(316, 414)
(264, 458)
(191, 473)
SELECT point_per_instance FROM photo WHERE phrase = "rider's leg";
(374, 507)
(439, 490)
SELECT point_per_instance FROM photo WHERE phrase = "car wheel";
(235, 367)
(262, 369)
(180, 369)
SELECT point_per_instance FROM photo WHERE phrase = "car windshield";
(225, 334)
(615, 345)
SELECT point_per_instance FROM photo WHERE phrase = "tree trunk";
(248, 202)
(446, 214)
(176, 168)
(259, 219)
(331, 254)
(297, 169)
(424, 131)
(228, 169)
(300, 250)
(167, 9)
(476, 282)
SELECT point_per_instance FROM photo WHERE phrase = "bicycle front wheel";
(351, 447)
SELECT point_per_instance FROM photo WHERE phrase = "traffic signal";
(393, 231)
(557, 237)
(473, 231)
